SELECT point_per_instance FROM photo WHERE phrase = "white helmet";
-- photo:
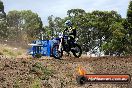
(68, 23)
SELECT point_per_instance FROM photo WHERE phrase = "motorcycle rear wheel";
(77, 51)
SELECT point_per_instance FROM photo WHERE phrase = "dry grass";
(11, 51)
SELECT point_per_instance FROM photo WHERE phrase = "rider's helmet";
(68, 23)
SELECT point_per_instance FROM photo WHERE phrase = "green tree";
(3, 23)
(129, 17)
(75, 12)
(14, 24)
(3, 30)
(55, 26)
(102, 23)
(129, 13)
(117, 41)
(24, 25)
(2, 9)
(31, 23)
(51, 25)
(128, 26)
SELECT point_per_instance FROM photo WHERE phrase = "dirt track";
(51, 73)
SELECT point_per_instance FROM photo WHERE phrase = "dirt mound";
(52, 73)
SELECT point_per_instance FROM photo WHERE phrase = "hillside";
(50, 73)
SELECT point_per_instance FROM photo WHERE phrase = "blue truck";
(41, 48)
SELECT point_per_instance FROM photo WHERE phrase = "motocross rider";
(71, 31)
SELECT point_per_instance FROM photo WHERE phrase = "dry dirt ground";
(27, 72)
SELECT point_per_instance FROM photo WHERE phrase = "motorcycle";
(63, 44)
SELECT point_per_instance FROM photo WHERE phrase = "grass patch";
(5, 50)
(36, 84)
(19, 53)
(42, 72)
(11, 51)
(16, 84)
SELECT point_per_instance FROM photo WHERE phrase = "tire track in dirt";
(65, 71)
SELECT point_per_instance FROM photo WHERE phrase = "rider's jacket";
(71, 31)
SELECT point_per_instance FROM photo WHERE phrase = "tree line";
(98, 31)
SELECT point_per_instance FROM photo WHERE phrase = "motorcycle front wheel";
(56, 53)
(77, 51)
